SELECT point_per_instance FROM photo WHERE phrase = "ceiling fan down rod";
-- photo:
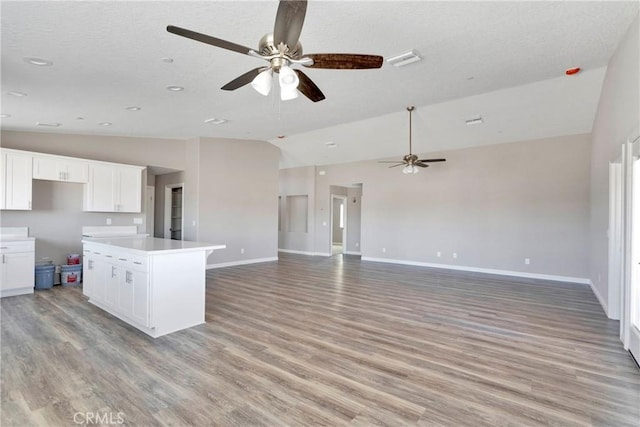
(410, 110)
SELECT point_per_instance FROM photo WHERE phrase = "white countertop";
(15, 234)
(150, 245)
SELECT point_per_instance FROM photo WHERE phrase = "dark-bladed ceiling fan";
(282, 49)
(410, 161)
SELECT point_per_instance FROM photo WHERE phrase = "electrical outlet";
(193, 223)
(137, 220)
(241, 250)
(455, 255)
(357, 245)
(527, 261)
(439, 254)
(108, 221)
(384, 250)
(324, 223)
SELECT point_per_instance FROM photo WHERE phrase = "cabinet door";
(140, 297)
(18, 173)
(125, 296)
(88, 270)
(17, 271)
(76, 171)
(112, 275)
(129, 190)
(99, 192)
(47, 168)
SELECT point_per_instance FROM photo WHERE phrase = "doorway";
(150, 208)
(338, 224)
(173, 211)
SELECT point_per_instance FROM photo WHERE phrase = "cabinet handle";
(113, 272)
(136, 262)
(128, 277)
(90, 266)
(122, 259)
(60, 175)
(97, 253)
(29, 204)
(3, 259)
(109, 256)
(4, 247)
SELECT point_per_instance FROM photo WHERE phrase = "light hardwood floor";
(327, 341)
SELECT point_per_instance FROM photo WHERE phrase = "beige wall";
(231, 189)
(238, 198)
(494, 206)
(618, 115)
(296, 182)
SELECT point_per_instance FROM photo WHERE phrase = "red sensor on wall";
(572, 71)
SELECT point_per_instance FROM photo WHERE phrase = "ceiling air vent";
(404, 59)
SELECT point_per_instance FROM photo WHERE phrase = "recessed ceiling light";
(215, 121)
(79, 118)
(4, 116)
(105, 124)
(50, 124)
(404, 59)
(39, 62)
(18, 94)
(280, 136)
(470, 78)
(175, 88)
(133, 108)
(572, 71)
(331, 144)
(167, 60)
(474, 121)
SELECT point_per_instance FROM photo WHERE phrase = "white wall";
(494, 206)
(618, 115)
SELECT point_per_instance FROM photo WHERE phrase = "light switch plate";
(137, 220)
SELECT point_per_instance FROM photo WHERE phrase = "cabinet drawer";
(9, 247)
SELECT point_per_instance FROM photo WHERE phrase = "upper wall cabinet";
(54, 168)
(113, 188)
(15, 188)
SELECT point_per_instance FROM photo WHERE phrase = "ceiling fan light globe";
(262, 82)
(288, 78)
(287, 94)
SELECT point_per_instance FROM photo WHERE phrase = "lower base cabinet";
(118, 282)
(17, 268)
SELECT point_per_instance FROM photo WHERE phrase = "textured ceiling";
(108, 55)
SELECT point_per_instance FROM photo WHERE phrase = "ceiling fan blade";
(308, 87)
(289, 20)
(432, 160)
(390, 161)
(208, 39)
(422, 165)
(244, 79)
(399, 164)
(344, 61)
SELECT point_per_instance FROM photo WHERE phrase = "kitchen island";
(155, 285)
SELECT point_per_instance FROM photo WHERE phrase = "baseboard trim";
(599, 297)
(352, 253)
(242, 262)
(522, 274)
(291, 251)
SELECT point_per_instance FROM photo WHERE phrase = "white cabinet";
(55, 168)
(119, 282)
(17, 268)
(113, 188)
(15, 188)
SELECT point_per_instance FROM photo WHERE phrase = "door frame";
(630, 333)
(167, 210)
(616, 237)
(344, 230)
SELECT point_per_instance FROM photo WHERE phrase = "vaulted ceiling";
(502, 60)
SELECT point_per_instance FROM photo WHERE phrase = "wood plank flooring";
(326, 341)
